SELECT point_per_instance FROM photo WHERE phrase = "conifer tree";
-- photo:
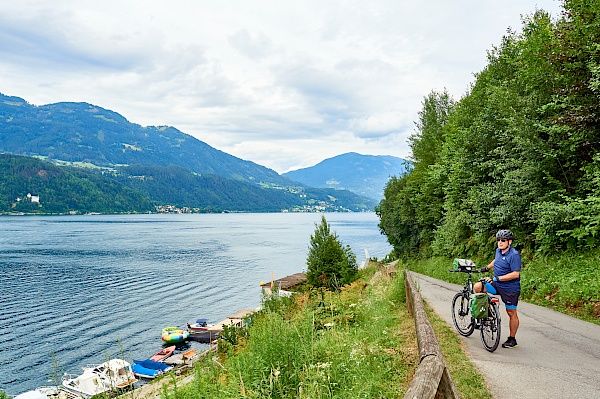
(330, 264)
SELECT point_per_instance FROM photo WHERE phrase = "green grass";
(469, 382)
(568, 283)
(361, 344)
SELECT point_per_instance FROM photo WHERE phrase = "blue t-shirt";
(504, 264)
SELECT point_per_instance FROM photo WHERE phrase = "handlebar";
(481, 279)
(464, 271)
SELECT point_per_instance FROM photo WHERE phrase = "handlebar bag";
(464, 264)
(478, 303)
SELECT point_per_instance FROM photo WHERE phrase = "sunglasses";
(502, 240)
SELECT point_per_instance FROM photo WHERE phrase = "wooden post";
(425, 382)
(432, 379)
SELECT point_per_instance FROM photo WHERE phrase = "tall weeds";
(358, 342)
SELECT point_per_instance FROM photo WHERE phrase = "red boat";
(163, 354)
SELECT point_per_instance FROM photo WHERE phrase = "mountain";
(141, 167)
(30, 185)
(81, 132)
(362, 174)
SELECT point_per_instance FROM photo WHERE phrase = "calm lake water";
(80, 285)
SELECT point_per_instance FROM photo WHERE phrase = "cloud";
(256, 46)
(378, 124)
(284, 84)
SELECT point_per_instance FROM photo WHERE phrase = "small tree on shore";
(330, 264)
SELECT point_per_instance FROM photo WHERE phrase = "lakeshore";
(182, 375)
(90, 287)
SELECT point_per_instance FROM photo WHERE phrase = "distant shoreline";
(164, 213)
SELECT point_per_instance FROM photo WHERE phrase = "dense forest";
(521, 150)
(63, 189)
(30, 185)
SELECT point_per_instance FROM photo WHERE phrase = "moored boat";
(182, 358)
(86, 385)
(172, 335)
(199, 326)
(204, 337)
(200, 331)
(163, 354)
(113, 375)
(149, 368)
(42, 393)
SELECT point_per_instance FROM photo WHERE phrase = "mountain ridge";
(31, 185)
(82, 132)
(362, 174)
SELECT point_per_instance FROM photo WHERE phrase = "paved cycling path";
(557, 357)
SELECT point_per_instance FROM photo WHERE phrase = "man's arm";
(510, 276)
(486, 268)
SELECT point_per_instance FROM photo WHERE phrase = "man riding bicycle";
(506, 281)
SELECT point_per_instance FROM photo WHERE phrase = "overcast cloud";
(284, 84)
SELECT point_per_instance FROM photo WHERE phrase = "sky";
(285, 84)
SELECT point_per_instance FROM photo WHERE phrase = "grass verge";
(468, 380)
(359, 343)
(356, 343)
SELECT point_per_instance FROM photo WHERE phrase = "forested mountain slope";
(81, 132)
(34, 186)
(58, 189)
(363, 174)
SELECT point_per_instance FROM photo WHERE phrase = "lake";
(90, 287)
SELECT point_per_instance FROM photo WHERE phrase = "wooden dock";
(284, 285)
(183, 362)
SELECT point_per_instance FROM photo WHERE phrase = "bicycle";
(464, 322)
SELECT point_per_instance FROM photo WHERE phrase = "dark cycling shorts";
(510, 299)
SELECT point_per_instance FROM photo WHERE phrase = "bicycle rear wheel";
(490, 328)
(461, 315)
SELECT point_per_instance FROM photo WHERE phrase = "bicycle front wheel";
(461, 315)
(490, 329)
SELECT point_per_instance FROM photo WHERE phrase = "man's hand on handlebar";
(483, 269)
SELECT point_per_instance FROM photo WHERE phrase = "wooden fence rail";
(432, 379)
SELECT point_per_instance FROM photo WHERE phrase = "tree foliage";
(413, 203)
(330, 264)
(64, 189)
(520, 150)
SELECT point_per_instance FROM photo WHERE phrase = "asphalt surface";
(558, 356)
